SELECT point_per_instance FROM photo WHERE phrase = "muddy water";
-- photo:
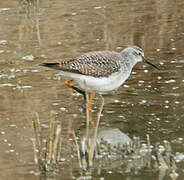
(150, 102)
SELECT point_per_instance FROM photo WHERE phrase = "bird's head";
(136, 55)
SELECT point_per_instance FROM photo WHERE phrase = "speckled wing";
(96, 64)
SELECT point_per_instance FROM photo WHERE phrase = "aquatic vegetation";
(101, 148)
(46, 157)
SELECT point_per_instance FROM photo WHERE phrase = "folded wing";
(96, 64)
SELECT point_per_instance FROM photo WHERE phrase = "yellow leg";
(91, 100)
(90, 107)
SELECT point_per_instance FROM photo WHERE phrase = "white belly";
(101, 85)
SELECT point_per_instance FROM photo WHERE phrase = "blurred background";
(150, 102)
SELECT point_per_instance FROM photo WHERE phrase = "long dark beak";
(146, 61)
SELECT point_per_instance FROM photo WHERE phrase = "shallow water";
(150, 102)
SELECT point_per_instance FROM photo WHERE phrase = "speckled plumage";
(101, 71)
(96, 64)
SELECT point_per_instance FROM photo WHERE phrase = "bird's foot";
(68, 84)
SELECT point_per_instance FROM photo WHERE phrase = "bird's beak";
(146, 61)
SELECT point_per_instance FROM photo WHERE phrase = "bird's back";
(96, 64)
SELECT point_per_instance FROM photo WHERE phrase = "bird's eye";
(139, 54)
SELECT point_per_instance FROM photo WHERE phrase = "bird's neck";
(128, 59)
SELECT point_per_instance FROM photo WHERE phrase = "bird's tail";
(51, 65)
(63, 66)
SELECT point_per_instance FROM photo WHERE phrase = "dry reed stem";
(59, 149)
(37, 22)
(149, 150)
(78, 150)
(56, 143)
(35, 151)
(37, 142)
(37, 130)
(51, 137)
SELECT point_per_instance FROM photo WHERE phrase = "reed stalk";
(47, 160)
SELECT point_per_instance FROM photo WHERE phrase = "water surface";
(150, 102)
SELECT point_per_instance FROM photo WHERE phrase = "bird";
(100, 71)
